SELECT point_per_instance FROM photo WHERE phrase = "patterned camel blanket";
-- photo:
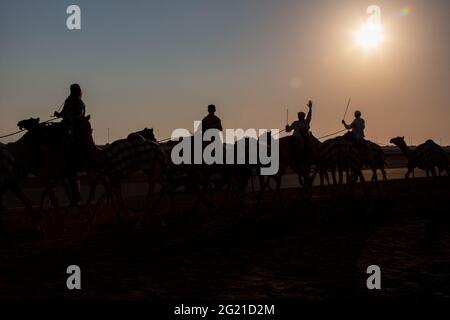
(125, 156)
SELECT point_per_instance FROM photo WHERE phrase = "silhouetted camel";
(120, 159)
(44, 150)
(339, 155)
(10, 181)
(202, 178)
(297, 157)
(379, 160)
(375, 161)
(427, 156)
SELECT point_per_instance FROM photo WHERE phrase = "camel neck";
(405, 149)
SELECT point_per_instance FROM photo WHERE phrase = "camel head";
(28, 124)
(148, 134)
(398, 141)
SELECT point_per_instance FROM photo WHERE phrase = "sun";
(369, 36)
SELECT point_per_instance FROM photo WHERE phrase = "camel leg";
(252, 182)
(311, 180)
(55, 203)
(375, 180)
(363, 183)
(434, 175)
(151, 181)
(238, 196)
(341, 178)
(321, 177)
(327, 178)
(74, 190)
(374, 175)
(158, 200)
(41, 202)
(91, 196)
(73, 194)
(92, 191)
(166, 188)
(2, 227)
(35, 218)
(277, 195)
(408, 173)
(333, 176)
(226, 198)
(232, 185)
(408, 180)
(383, 172)
(93, 213)
(117, 201)
(263, 184)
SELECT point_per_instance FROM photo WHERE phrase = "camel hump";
(135, 138)
(433, 145)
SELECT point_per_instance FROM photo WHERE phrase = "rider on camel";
(301, 126)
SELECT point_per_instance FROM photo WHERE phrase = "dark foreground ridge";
(299, 250)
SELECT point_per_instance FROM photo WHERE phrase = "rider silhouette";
(356, 136)
(357, 128)
(70, 142)
(301, 126)
(74, 107)
(211, 121)
(73, 110)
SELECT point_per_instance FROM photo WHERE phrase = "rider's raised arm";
(309, 116)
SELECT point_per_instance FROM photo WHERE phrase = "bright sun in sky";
(369, 36)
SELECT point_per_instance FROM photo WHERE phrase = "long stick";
(287, 116)
(346, 109)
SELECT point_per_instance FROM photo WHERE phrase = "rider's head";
(211, 108)
(301, 115)
(357, 114)
(75, 90)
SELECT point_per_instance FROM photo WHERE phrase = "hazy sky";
(160, 63)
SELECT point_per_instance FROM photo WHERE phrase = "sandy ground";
(290, 250)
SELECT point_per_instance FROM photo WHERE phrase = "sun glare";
(369, 36)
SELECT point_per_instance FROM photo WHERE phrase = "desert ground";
(289, 249)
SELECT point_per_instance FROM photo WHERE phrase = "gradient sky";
(160, 63)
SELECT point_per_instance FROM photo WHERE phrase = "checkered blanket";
(338, 152)
(125, 156)
(430, 154)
